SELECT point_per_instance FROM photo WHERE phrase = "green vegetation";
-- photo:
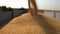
(5, 9)
(9, 9)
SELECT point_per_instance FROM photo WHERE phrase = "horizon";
(41, 4)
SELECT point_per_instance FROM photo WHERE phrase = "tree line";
(4, 8)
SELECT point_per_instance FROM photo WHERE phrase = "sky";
(42, 4)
